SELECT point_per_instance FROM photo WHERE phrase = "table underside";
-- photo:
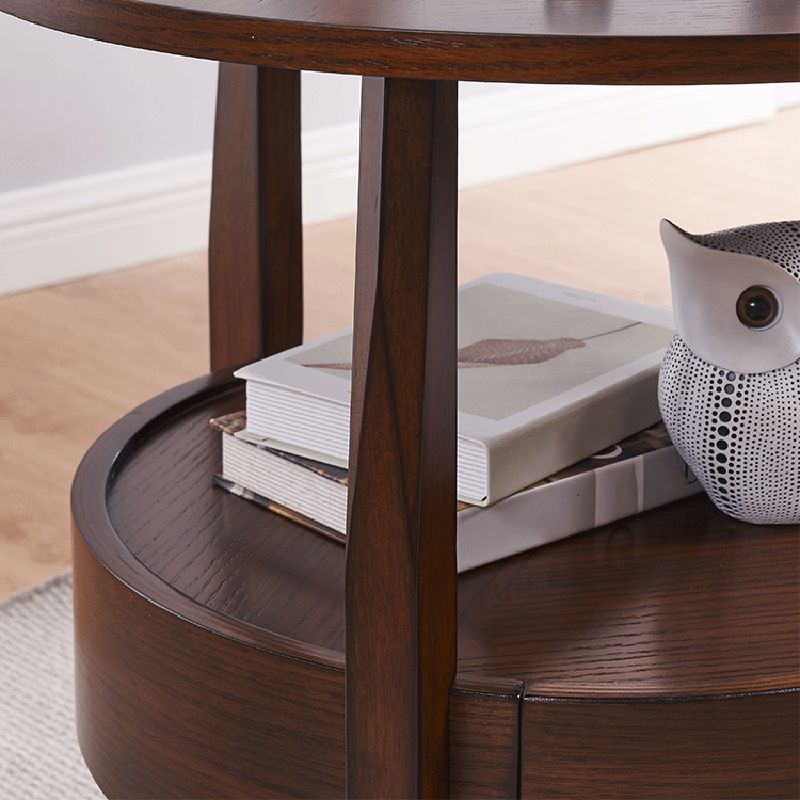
(548, 41)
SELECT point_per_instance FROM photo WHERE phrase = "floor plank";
(77, 356)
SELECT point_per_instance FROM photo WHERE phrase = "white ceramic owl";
(729, 388)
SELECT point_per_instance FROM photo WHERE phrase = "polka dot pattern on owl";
(738, 432)
(729, 388)
(778, 242)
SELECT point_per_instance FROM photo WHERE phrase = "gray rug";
(39, 755)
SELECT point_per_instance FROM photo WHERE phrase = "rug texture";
(39, 755)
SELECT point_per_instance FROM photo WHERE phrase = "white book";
(642, 472)
(547, 376)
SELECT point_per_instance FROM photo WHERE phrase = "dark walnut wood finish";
(544, 41)
(255, 254)
(484, 738)
(656, 657)
(707, 747)
(401, 551)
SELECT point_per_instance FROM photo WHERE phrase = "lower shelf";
(656, 657)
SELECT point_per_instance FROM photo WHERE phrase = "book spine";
(557, 510)
(545, 513)
(571, 435)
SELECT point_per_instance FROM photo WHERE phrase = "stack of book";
(558, 421)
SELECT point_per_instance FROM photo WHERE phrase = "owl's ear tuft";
(678, 243)
(671, 233)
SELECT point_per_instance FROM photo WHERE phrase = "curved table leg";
(256, 236)
(401, 563)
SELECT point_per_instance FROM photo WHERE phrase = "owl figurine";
(729, 387)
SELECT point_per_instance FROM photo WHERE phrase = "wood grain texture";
(484, 739)
(740, 747)
(625, 42)
(153, 723)
(400, 603)
(165, 675)
(255, 254)
(680, 601)
(166, 709)
(669, 610)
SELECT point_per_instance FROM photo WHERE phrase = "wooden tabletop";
(678, 602)
(538, 41)
(656, 657)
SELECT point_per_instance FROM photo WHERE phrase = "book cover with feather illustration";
(547, 375)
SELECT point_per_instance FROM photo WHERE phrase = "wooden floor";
(77, 356)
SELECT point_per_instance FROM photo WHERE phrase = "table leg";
(255, 243)
(401, 564)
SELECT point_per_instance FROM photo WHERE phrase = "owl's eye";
(757, 307)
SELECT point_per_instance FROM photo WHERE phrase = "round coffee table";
(657, 657)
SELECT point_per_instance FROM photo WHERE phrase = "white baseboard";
(510, 134)
(104, 222)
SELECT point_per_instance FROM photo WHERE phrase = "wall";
(104, 151)
(75, 107)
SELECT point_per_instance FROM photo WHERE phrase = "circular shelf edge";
(183, 688)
